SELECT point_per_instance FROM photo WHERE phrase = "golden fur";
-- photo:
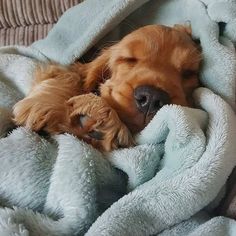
(61, 98)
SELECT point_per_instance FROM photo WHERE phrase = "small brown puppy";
(150, 67)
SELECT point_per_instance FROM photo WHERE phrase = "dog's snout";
(150, 99)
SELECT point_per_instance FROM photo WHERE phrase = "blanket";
(170, 182)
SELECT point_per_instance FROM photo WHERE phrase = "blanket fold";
(163, 202)
(164, 185)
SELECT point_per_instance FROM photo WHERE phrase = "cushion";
(24, 21)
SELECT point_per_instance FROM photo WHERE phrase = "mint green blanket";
(170, 182)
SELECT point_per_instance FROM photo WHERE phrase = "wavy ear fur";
(96, 71)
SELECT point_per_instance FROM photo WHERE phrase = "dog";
(152, 66)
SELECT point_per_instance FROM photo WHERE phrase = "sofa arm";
(24, 21)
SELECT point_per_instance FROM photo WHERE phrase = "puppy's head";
(152, 66)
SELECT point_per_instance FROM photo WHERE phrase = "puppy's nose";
(150, 99)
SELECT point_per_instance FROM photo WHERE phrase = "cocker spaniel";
(149, 68)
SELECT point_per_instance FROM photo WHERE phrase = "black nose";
(150, 99)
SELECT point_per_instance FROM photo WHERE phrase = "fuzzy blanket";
(170, 182)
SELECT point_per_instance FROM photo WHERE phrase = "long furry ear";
(97, 71)
(184, 29)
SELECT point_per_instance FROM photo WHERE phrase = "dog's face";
(150, 67)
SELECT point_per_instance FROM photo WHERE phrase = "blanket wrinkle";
(163, 196)
(163, 186)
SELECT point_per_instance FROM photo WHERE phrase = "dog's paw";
(24, 114)
(100, 123)
(32, 114)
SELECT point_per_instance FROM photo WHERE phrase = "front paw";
(99, 123)
(30, 113)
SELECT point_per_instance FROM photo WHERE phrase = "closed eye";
(129, 60)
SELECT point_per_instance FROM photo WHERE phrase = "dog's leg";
(45, 105)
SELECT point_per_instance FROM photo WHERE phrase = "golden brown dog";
(150, 67)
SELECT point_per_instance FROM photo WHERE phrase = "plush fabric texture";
(169, 182)
(227, 206)
(22, 21)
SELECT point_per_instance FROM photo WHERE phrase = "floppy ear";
(97, 71)
(184, 28)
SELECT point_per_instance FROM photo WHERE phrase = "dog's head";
(150, 67)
